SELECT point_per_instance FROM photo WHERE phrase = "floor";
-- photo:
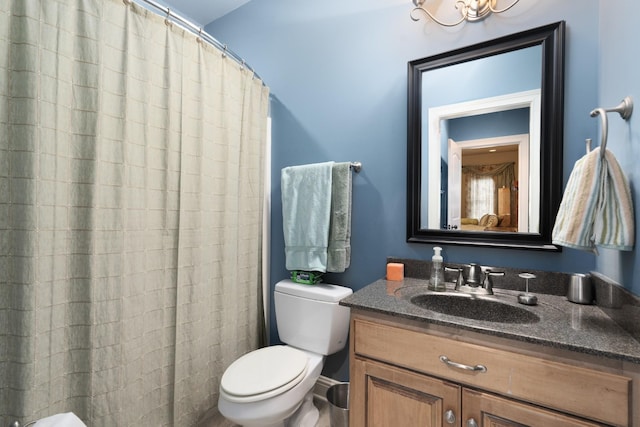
(216, 420)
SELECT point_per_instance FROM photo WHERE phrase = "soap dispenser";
(436, 282)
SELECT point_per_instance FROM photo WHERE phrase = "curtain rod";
(198, 31)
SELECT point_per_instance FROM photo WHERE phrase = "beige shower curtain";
(131, 186)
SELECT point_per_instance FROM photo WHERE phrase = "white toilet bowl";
(260, 402)
(273, 386)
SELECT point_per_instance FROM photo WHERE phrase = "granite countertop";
(563, 324)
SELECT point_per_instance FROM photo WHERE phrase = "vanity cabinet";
(398, 377)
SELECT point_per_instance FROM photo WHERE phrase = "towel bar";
(356, 166)
(625, 108)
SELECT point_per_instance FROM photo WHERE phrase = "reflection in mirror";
(508, 120)
(485, 142)
(489, 185)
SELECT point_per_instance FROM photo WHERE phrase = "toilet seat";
(264, 373)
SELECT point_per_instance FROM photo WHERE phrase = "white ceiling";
(203, 12)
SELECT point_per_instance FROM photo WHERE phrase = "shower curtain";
(131, 197)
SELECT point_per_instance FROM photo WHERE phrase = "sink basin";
(473, 307)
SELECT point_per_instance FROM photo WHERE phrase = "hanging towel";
(615, 226)
(574, 222)
(596, 208)
(339, 252)
(306, 208)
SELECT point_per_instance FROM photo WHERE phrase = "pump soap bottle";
(436, 282)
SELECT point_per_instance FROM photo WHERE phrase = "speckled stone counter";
(586, 329)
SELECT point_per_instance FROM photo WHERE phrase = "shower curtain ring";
(167, 20)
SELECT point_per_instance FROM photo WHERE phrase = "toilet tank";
(309, 316)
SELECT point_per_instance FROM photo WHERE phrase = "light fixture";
(471, 10)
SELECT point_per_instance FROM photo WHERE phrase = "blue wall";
(619, 76)
(338, 76)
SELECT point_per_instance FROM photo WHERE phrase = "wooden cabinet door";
(486, 410)
(383, 396)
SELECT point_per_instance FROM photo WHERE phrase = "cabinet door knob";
(472, 423)
(450, 417)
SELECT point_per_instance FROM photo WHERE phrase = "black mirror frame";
(552, 39)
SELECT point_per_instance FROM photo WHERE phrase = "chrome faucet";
(478, 281)
(473, 279)
(474, 276)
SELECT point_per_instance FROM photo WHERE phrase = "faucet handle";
(460, 280)
(488, 272)
(487, 284)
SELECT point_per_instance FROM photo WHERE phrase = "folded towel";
(339, 251)
(68, 419)
(306, 208)
(596, 209)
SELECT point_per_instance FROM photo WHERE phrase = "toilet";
(273, 386)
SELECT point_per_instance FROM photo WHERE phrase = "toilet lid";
(270, 370)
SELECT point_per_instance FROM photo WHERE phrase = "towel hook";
(625, 108)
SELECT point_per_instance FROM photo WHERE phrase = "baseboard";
(322, 385)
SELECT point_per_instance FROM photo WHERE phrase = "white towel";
(68, 419)
(306, 207)
(596, 209)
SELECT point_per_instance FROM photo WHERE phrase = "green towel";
(306, 208)
(339, 252)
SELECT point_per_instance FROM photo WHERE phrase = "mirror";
(485, 126)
